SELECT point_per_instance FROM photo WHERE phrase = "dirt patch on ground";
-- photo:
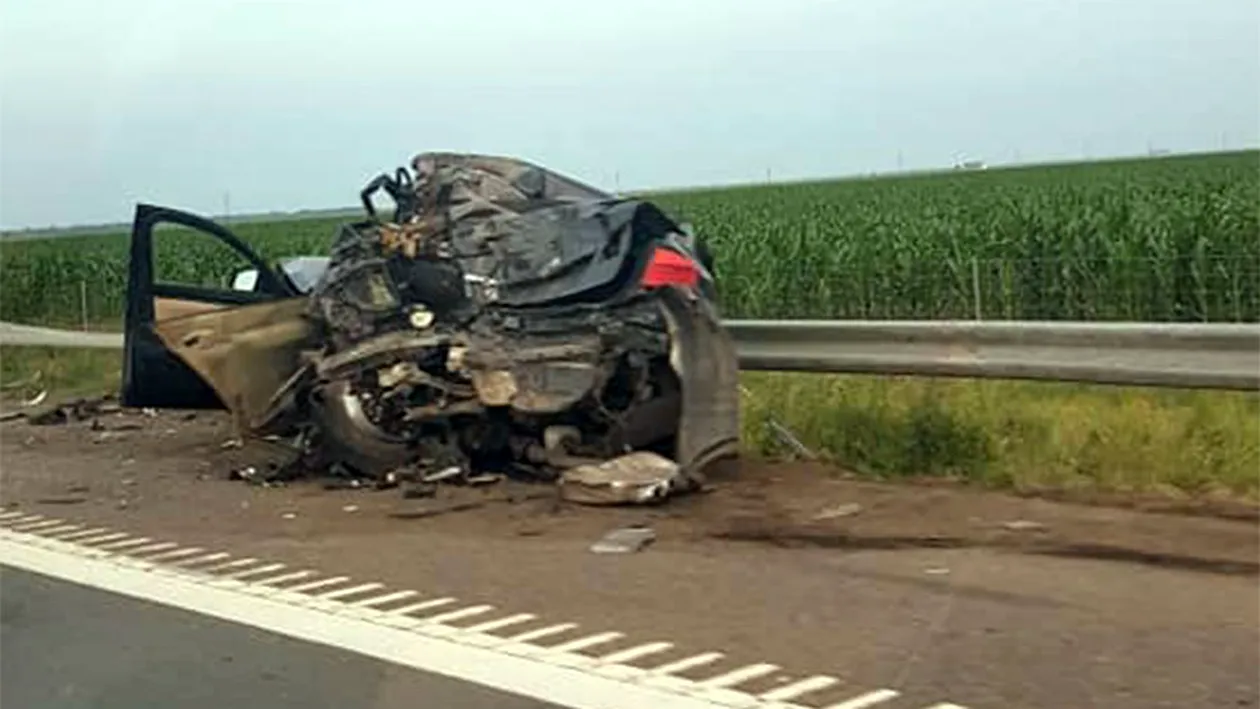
(170, 470)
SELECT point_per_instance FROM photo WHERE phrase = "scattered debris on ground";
(835, 512)
(641, 477)
(625, 540)
(76, 410)
(1024, 525)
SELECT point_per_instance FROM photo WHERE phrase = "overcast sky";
(296, 104)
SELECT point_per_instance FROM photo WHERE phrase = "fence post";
(83, 305)
(975, 287)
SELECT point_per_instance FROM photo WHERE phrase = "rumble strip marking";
(364, 617)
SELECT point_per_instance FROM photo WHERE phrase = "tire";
(350, 437)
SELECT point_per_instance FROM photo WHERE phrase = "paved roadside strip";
(509, 650)
(85, 648)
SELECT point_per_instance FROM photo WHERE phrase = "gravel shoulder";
(173, 467)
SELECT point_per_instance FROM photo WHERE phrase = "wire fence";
(1192, 289)
(1195, 289)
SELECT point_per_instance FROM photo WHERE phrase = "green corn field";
(1169, 239)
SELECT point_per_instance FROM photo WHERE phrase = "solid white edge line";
(796, 689)
(513, 674)
(10, 515)
(942, 705)
(879, 696)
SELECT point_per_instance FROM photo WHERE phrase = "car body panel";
(246, 354)
(153, 376)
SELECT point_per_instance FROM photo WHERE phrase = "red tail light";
(670, 268)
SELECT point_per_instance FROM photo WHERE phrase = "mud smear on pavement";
(754, 530)
(805, 505)
(171, 474)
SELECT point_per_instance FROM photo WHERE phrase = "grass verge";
(1026, 436)
(62, 372)
(1031, 437)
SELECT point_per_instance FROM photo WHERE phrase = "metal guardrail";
(14, 334)
(1204, 356)
(1207, 356)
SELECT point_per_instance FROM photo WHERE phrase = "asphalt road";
(67, 646)
(1101, 607)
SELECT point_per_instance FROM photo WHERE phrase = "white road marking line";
(342, 593)
(311, 586)
(126, 543)
(24, 520)
(734, 677)
(10, 515)
(177, 554)
(32, 526)
(635, 653)
(102, 538)
(378, 600)
(530, 677)
(203, 559)
(687, 663)
(796, 689)
(422, 605)
(82, 534)
(588, 641)
(58, 531)
(500, 623)
(265, 569)
(292, 576)
(150, 548)
(879, 696)
(457, 615)
(541, 632)
(230, 565)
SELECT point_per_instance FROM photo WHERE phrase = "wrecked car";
(497, 316)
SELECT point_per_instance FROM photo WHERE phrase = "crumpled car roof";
(510, 174)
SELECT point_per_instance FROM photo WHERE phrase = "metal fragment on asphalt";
(626, 540)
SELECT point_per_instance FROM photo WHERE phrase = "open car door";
(170, 291)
